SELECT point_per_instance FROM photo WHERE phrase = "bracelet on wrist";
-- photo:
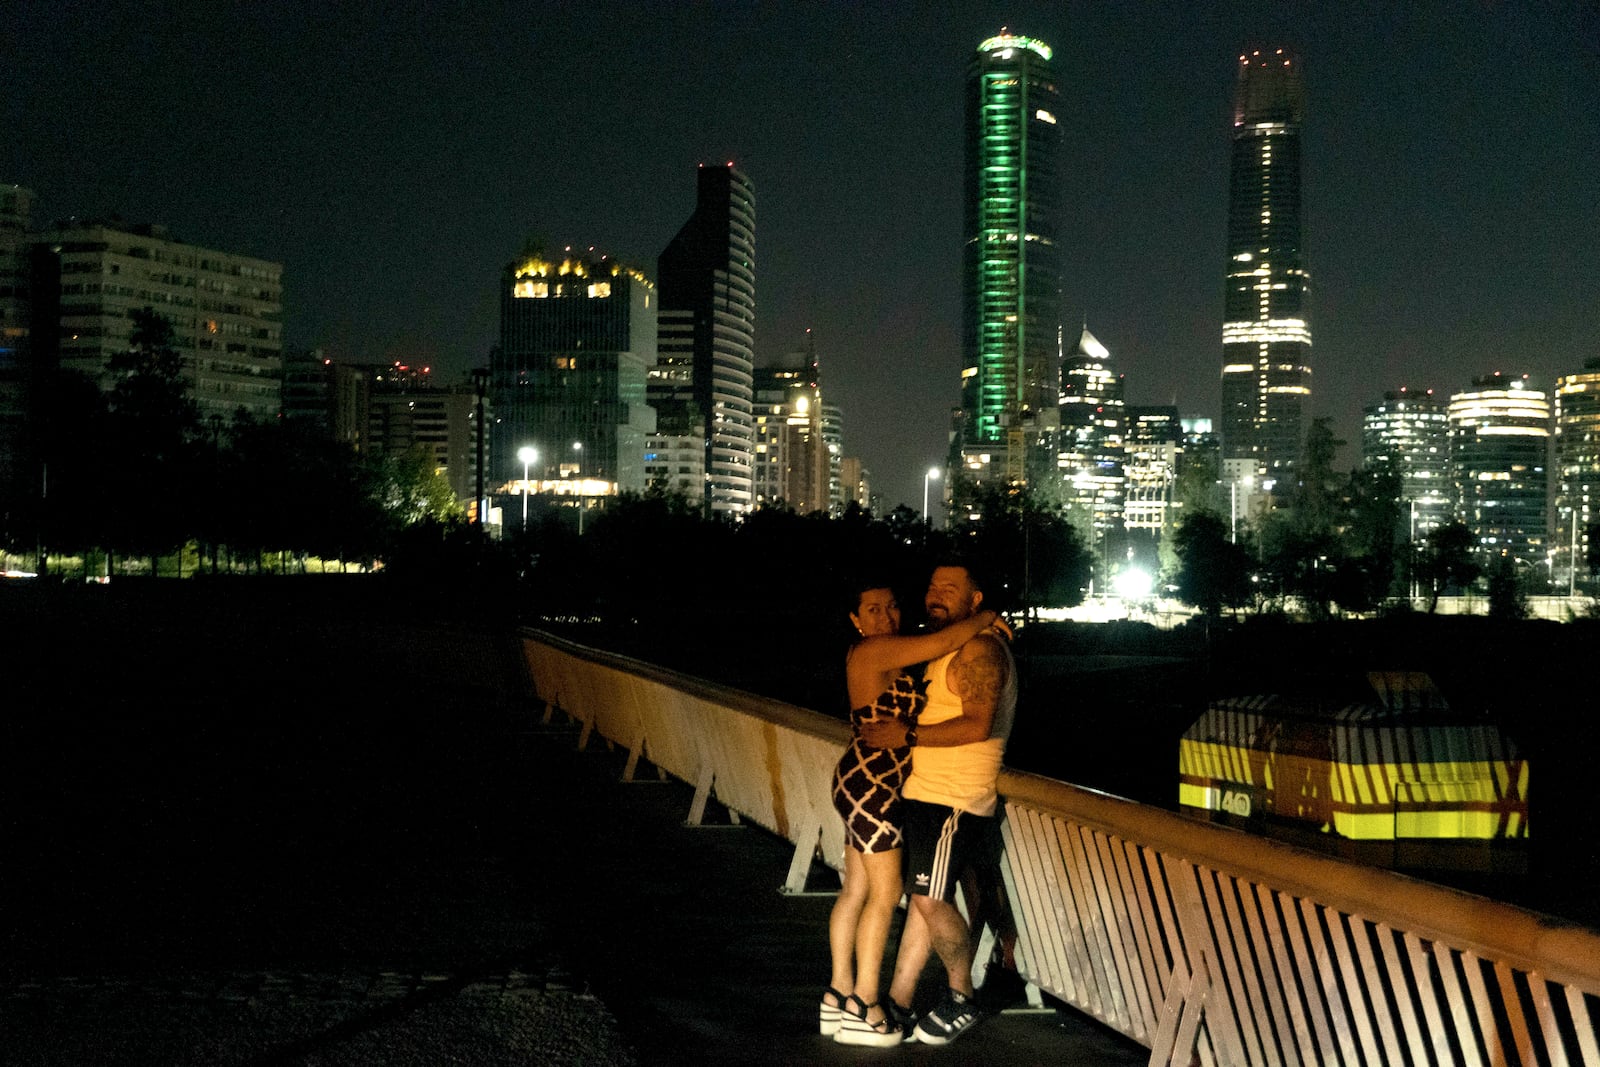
(911, 735)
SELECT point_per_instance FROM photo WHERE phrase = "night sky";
(394, 162)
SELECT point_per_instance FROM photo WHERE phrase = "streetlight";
(1411, 549)
(577, 447)
(931, 476)
(528, 455)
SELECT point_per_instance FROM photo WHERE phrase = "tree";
(1031, 553)
(1195, 486)
(1507, 599)
(1213, 572)
(152, 424)
(61, 498)
(1445, 560)
(1373, 538)
(1301, 546)
(414, 490)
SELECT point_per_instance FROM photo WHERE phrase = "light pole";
(577, 447)
(931, 476)
(480, 386)
(528, 455)
(1411, 551)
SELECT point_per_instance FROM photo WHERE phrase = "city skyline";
(394, 164)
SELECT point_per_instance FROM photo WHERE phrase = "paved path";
(302, 833)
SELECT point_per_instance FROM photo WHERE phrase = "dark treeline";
(1338, 544)
(762, 603)
(134, 473)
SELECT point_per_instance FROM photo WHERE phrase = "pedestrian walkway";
(260, 834)
(703, 960)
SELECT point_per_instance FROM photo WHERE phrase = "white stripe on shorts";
(941, 873)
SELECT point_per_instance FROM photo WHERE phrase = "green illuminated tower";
(1011, 344)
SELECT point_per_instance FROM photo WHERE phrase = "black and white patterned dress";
(866, 783)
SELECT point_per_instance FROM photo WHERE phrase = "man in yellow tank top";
(950, 794)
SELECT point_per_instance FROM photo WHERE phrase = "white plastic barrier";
(1194, 939)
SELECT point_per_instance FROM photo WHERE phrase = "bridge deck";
(280, 834)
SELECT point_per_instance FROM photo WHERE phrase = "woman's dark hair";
(863, 583)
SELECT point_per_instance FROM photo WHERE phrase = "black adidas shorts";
(940, 842)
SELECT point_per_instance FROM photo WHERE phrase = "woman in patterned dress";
(866, 791)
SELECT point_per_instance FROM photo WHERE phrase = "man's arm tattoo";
(983, 672)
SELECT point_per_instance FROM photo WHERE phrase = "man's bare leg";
(950, 938)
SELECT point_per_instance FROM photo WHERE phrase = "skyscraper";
(1089, 447)
(1499, 442)
(702, 379)
(1578, 470)
(577, 336)
(1153, 449)
(1409, 432)
(791, 459)
(1266, 337)
(1011, 293)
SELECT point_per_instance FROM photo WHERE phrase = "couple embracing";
(917, 791)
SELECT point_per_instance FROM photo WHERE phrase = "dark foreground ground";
(320, 823)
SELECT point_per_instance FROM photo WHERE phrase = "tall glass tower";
(1011, 323)
(1577, 450)
(702, 380)
(1266, 338)
(1499, 455)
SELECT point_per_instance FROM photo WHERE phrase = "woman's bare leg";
(845, 918)
(883, 880)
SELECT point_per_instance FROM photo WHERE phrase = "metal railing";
(1201, 942)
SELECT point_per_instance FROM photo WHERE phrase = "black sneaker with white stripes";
(953, 1017)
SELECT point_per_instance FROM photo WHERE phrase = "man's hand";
(884, 733)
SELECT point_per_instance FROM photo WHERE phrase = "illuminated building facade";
(409, 412)
(1409, 432)
(1499, 443)
(792, 465)
(332, 398)
(1577, 464)
(1011, 293)
(577, 336)
(676, 463)
(224, 310)
(1089, 445)
(1266, 336)
(856, 482)
(833, 437)
(701, 382)
(1152, 451)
